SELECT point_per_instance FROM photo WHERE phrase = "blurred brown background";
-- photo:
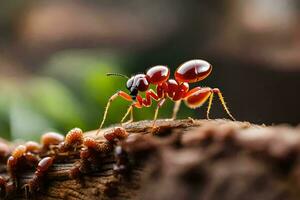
(54, 56)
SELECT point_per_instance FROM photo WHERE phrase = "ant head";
(137, 83)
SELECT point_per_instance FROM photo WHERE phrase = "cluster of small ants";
(40, 157)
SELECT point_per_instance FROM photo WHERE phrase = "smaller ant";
(176, 89)
(100, 147)
(42, 168)
(12, 162)
(21, 156)
(116, 133)
(89, 156)
(73, 140)
(50, 139)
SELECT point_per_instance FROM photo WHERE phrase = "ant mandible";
(175, 89)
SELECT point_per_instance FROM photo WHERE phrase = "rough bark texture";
(186, 159)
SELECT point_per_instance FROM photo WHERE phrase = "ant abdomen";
(193, 71)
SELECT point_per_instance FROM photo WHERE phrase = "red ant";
(175, 89)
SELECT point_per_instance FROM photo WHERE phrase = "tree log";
(183, 159)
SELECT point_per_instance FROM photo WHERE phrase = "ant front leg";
(122, 94)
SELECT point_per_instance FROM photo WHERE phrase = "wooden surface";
(186, 159)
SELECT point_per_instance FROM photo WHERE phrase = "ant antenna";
(117, 74)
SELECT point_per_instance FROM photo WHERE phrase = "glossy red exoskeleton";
(42, 168)
(175, 89)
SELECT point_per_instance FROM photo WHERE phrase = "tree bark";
(184, 159)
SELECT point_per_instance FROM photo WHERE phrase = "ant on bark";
(175, 89)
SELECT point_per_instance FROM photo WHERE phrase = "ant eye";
(142, 84)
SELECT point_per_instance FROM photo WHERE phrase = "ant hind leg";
(209, 105)
(216, 90)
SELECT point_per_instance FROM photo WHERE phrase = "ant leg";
(209, 105)
(197, 97)
(111, 99)
(131, 118)
(159, 104)
(176, 109)
(216, 90)
(129, 110)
